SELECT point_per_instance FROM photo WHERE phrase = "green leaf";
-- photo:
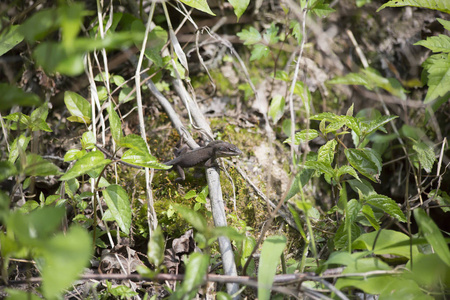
(370, 216)
(425, 154)
(37, 227)
(115, 125)
(365, 161)
(40, 24)
(221, 296)
(347, 170)
(37, 166)
(442, 198)
(433, 235)
(322, 9)
(193, 217)
(259, 51)
(341, 258)
(438, 68)
(7, 169)
(377, 124)
(276, 109)
(304, 136)
(341, 237)
(444, 23)
(250, 36)
(20, 142)
(78, 107)
(326, 152)
(91, 161)
(271, 251)
(370, 79)
(201, 5)
(441, 5)
(301, 179)
(361, 186)
(228, 232)
(386, 204)
(119, 205)
(196, 270)
(133, 141)
(271, 34)
(321, 167)
(239, 7)
(386, 242)
(88, 140)
(19, 295)
(372, 284)
(12, 95)
(9, 38)
(66, 256)
(143, 159)
(439, 43)
(155, 252)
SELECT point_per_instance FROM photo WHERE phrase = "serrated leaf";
(322, 10)
(259, 51)
(442, 5)
(116, 199)
(250, 36)
(239, 7)
(366, 161)
(376, 124)
(386, 204)
(425, 154)
(440, 43)
(304, 136)
(321, 167)
(276, 109)
(353, 123)
(326, 152)
(438, 68)
(444, 23)
(271, 34)
(347, 170)
(91, 161)
(201, 5)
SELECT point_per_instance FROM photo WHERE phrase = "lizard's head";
(224, 149)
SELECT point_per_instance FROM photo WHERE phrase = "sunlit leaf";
(119, 206)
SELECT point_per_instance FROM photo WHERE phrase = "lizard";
(205, 156)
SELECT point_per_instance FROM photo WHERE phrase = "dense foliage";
(343, 188)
